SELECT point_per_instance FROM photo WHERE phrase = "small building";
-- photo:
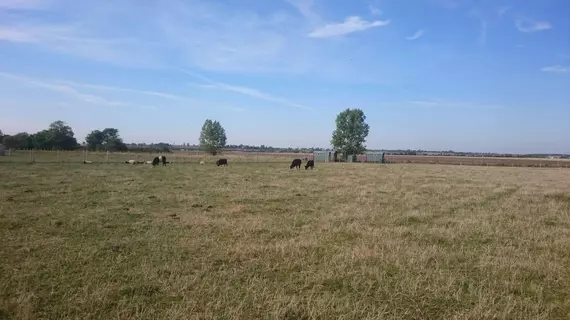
(325, 156)
(375, 157)
(2, 150)
(321, 156)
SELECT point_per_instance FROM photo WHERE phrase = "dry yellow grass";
(344, 241)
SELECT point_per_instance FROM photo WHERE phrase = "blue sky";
(432, 74)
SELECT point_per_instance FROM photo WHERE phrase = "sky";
(462, 75)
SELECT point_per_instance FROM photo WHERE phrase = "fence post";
(107, 156)
(84, 155)
(31, 156)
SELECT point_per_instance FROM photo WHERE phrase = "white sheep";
(202, 162)
(87, 162)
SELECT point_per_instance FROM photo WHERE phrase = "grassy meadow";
(260, 241)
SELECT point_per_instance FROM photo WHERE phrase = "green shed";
(322, 156)
(376, 157)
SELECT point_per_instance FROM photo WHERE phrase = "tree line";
(348, 138)
(60, 136)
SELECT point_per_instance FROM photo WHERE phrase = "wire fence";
(81, 156)
(189, 157)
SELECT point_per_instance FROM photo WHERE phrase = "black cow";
(222, 162)
(163, 159)
(310, 164)
(296, 163)
(155, 161)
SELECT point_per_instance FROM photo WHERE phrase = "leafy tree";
(20, 140)
(58, 136)
(1, 135)
(213, 137)
(108, 139)
(351, 132)
(94, 140)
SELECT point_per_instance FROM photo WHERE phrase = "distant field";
(42, 156)
(262, 157)
(481, 161)
(344, 241)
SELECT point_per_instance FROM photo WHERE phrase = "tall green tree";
(108, 139)
(351, 132)
(212, 137)
(57, 136)
(20, 140)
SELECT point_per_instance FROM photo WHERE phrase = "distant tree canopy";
(212, 137)
(153, 147)
(57, 136)
(351, 132)
(108, 140)
(21, 140)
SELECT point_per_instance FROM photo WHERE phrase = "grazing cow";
(130, 161)
(296, 163)
(87, 162)
(163, 159)
(155, 161)
(222, 162)
(311, 164)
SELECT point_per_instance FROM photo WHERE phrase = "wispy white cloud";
(119, 89)
(374, 10)
(21, 4)
(251, 92)
(556, 69)
(444, 103)
(529, 25)
(450, 4)
(64, 89)
(501, 11)
(483, 33)
(305, 7)
(73, 40)
(416, 35)
(351, 24)
(198, 35)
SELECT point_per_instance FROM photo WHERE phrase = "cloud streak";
(443, 103)
(556, 69)
(374, 11)
(64, 89)
(503, 10)
(20, 4)
(483, 33)
(527, 25)
(251, 92)
(351, 24)
(118, 89)
(305, 8)
(416, 35)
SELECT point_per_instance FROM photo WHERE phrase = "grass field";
(260, 241)
(43, 156)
